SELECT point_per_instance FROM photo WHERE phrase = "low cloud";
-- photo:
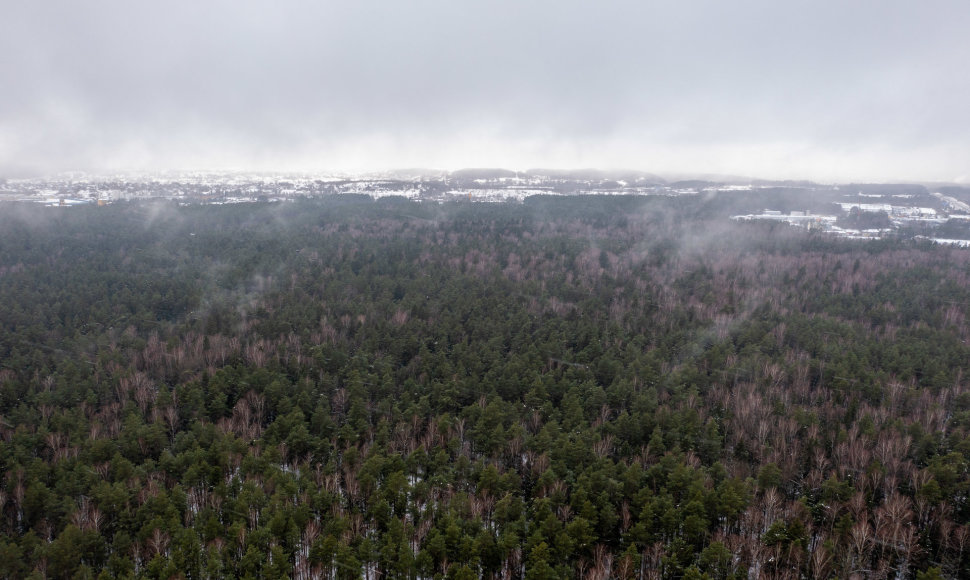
(820, 90)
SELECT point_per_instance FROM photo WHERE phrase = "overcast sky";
(819, 89)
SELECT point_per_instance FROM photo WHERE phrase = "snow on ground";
(952, 202)
(950, 242)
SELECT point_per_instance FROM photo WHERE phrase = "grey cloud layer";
(818, 89)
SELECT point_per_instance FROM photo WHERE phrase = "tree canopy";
(602, 387)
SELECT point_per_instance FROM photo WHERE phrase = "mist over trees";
(585, 387)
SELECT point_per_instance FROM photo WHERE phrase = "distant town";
(940, 213)
(489, 185)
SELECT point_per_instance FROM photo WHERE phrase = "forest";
(587, 387)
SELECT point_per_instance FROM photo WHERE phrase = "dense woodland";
(585, 387)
